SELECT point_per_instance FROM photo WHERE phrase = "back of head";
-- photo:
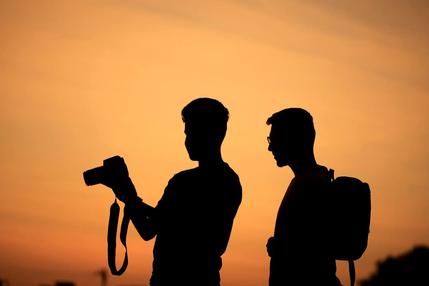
(207, 117)
(296, 123)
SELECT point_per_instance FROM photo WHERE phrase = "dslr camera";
(110, 174)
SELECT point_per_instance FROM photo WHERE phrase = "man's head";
(205, 126)
(292, 135)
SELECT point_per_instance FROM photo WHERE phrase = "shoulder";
(229, 177)
(184, 175)
(178, 182)
(231, 174)
(235, 189)
(315, 175)
(315, 180)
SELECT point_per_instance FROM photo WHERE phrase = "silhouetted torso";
(302, 234)
(194, 218)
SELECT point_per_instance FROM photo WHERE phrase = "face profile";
(196, 143)
(280, 146)
(291, 137)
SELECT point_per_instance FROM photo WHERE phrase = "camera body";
(112, 172)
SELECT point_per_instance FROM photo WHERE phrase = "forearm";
(143, 217)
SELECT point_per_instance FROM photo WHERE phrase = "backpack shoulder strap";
(331, 174)
(352, 272)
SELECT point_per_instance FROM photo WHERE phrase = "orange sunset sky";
(84, 80)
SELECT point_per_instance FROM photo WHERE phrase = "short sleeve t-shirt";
(194, 219)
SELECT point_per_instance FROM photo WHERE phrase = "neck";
(303, 165)
(211, 159)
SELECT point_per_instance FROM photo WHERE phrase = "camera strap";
(111, 238)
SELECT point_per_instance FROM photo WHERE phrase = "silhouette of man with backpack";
(300, 249)
(193, 219)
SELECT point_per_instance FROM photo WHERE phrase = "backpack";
(351, 208)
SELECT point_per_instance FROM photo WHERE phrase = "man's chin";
(193, 158)
(281, 163)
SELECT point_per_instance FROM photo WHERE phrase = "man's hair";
(206, 116)
(297, 121)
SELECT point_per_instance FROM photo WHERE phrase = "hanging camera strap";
(111, 238)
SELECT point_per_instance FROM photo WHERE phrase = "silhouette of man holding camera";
(300, 248)
(193, 219)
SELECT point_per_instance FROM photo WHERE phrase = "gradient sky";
(84, 80)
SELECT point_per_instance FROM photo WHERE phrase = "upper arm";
(147, 219)
(226, 216)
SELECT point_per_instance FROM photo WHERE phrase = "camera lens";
(93, 176)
